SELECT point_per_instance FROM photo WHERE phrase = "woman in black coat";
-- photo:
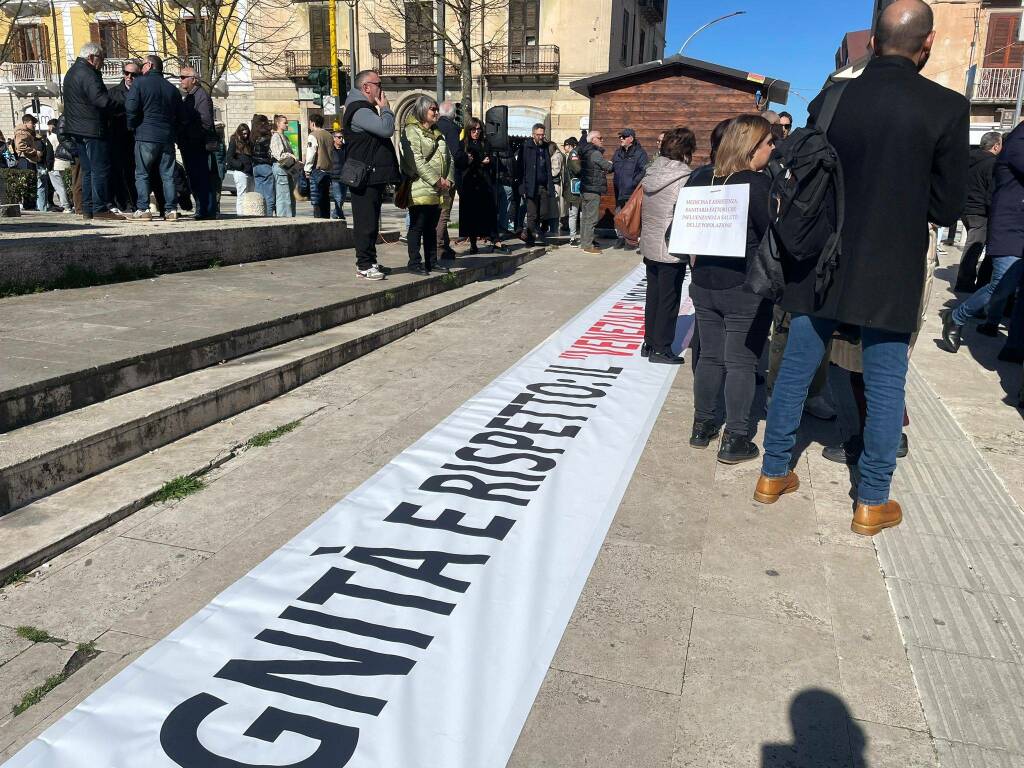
(478, 214)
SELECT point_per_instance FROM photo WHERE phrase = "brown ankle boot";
(869, 520)
(769, 489)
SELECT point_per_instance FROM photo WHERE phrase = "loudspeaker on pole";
(496, 127)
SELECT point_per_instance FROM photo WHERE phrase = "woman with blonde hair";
(427, 162)
(734, 322)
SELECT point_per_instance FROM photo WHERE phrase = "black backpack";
(808, 200)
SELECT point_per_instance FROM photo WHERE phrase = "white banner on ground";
(711, 221)
(412, 624)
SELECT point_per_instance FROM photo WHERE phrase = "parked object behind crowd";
(427, 161)
(665, 272)
(238, 162)
(86, 108)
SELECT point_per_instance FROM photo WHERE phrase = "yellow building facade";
(525, 53)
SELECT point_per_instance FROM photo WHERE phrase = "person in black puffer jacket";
(238, 162)
(86, 105)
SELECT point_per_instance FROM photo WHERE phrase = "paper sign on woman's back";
(711, 221)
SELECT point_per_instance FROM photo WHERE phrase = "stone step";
(43, 458)
(33, 401)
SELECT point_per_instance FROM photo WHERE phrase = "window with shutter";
(1001, 46)
(523, 24)
(113, 36)
(319, 35)
(419, 35)
(31, 43)
(625, 36)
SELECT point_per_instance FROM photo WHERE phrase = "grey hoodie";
(368, 121)
(661, 189)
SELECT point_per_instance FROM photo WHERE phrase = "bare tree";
(215, 36)
(470, 28)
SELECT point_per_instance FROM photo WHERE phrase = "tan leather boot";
(869, 520)
(769, 489)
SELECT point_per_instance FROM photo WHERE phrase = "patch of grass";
(34, 696)
(216, 264)
(449, 279)
(178, 488)
(36, 635)
(88, 648)
(15, 578)
(266, 438)
(389, 297)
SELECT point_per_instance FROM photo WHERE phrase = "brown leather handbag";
(627, 220)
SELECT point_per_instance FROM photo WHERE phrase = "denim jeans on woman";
(284, 200)
(885, 357)
(263, 177)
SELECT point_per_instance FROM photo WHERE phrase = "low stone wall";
(39, 251)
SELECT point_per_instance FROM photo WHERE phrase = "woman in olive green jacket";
(425, 160)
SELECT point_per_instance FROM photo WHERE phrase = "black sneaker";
(645, 350)
(736, 448)
(703, 433)
(418, 269)
(951, 332)
(988, 329)
(847, 453)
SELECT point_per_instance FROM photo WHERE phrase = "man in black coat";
(86, 111)
(196, 140)
(122, 142)
(536, 185)
(153, 113)
(980, 186)
(450, 130)
(1005, 248)
(902, 144)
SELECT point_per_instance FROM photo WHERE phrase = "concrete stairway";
(182, 410)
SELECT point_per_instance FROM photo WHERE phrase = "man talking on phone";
(368, 127)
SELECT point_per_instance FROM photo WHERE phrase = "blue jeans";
(885, 358)
(284, 205)
(1006, 271)
(94, 155)
(504, 197)
(197, 165)
(263, 175)
(42, 178)
(320, 193)
(338, 197)
(153, 156)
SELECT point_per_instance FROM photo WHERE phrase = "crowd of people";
(145, 147)
(858, 306)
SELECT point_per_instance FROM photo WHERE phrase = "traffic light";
(320, 79)
(459, 114)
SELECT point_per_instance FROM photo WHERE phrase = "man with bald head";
(902, 142)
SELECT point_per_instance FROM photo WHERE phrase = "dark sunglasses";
(130, 74)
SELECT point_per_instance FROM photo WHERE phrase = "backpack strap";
(829, 105)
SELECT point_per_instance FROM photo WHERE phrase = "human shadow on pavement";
(824, 735)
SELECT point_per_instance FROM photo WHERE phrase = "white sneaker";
(370, 274)
(171, 216)
(819, 408)
(142, 216)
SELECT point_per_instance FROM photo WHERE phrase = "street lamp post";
(701, 29)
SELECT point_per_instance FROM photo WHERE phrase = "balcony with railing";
(297, 64)
(414, 66)
(996, 85)
(533, 63)
(29, 77)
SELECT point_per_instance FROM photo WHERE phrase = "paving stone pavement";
(712, 631)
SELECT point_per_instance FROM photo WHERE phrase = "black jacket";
(593, 170)
(86, 102)
(451, 131)
(122, 140)
(196, 120)
(981, 168)
(902, 142)
(630, 165)
(338, 157)
(237, 161)
(378, 152)
(1006, 217)
(153, 107)
(534, 160)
